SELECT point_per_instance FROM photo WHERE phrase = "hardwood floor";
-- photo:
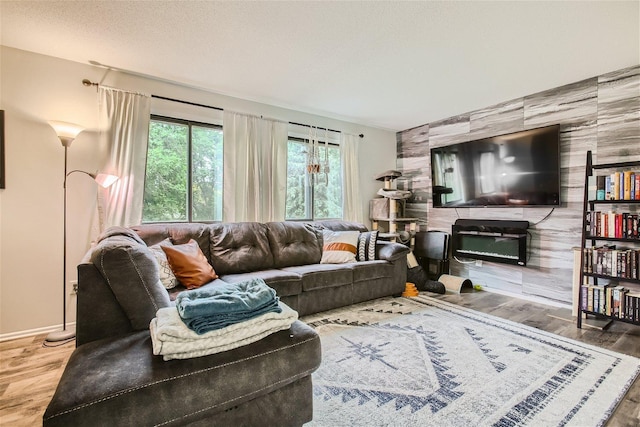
(30, 372)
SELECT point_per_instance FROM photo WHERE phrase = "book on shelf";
(609, 261)
(615, 178)
(626, 189)
(600, 187)
(621, 185)
(632, 306)
(616, 295)
(611, 300)
(612, 225)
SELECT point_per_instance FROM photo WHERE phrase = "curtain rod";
(320, 128)
(88, 82)
(187, 102)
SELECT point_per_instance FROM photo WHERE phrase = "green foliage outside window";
(167, 193)
(324, 199)
(207, 161)
(297, 190)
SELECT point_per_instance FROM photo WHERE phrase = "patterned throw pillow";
(167, 277)
(367, 245)
(339, 246)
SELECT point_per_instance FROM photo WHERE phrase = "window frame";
(309, 192)
(189, 124)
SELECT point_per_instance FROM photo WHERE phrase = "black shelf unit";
(613, 239)
(604, 276)
(589, 206)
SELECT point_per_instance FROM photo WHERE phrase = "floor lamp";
(67, 132)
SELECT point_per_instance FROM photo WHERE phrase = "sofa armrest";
(132, 274)
(391, 251)
(98, 313)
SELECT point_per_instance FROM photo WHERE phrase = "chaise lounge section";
(113, 378)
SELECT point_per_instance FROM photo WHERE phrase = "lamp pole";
(64, 334)
(64, 244)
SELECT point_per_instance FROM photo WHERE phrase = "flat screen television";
(517, 169)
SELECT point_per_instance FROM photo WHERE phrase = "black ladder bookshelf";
(603, 301)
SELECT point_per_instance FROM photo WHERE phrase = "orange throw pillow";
(189, 264)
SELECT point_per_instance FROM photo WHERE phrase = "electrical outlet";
(478, 263)
(74, 286)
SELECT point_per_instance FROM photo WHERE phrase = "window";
(323, 198)
(184, 171)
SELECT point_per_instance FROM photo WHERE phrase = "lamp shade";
(105, 180)
(66, 131)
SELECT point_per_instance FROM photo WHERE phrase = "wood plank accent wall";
(601, 114)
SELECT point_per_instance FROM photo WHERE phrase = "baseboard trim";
(532, 298)
(33, 332)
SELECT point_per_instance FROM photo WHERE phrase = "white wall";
(37, 88)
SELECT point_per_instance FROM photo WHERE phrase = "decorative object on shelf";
(317, 169)
(67, 132)
(610, 301)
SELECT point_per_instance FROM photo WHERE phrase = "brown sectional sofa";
(113, 378)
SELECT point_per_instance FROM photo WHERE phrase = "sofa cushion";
(131, 271)
(319, 276)
(294, 243)
(127, 385)
(240, 247)
(189, 264)
(371, 270)
(340, 225)
(177, 232)
(284, 282)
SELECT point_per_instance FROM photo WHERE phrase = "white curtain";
(255, 168)
(124, 118)
(351, 197)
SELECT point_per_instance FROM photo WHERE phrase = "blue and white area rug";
(425, 362)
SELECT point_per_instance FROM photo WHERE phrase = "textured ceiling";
(392, 65)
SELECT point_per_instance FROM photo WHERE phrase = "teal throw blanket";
(215, 307)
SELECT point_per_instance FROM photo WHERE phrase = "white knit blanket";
(172, 339)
